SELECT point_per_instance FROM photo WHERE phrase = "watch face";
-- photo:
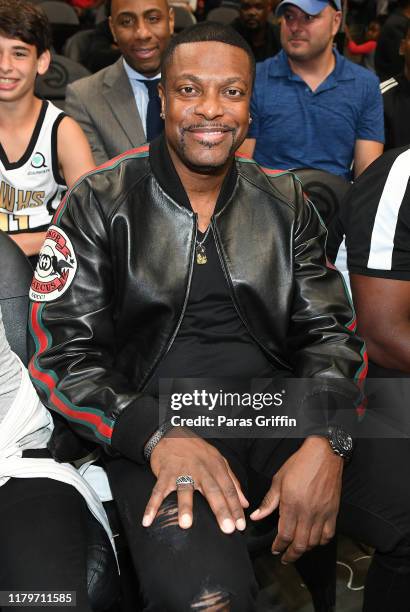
(341, 442)
(344, 441)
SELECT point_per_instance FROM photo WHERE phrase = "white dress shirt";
(140, 91)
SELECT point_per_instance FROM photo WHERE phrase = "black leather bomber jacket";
(99, 342)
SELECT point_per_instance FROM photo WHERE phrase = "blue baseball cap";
(311, 7)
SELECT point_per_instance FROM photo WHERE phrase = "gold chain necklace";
(201, 257)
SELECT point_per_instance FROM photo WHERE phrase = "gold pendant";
(201, 258)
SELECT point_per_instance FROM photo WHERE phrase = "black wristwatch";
(340, 442)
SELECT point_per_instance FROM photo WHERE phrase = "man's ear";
(161, 92)
(43, 62)
(337, 20)
(171, 20)
(112, 29)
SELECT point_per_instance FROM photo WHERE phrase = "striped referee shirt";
(375, 220)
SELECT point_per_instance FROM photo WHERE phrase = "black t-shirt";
(375, 218)
(388, 60)
(212, 340)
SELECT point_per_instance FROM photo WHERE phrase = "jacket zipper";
(233, 297)
(181, 316)
(176, 330)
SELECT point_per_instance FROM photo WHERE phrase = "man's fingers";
(269, 503)
(230, 493)
(185, 495)
(236, 500)
(286, 530)
(328, 531)
(315, 534)
(159, 493)
(299, 544)
(219, 506)
(243, 501)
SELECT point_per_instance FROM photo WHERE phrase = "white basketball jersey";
(31, 188)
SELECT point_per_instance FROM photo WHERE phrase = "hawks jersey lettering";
(31, 188)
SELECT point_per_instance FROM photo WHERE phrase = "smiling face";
(142, 29)
(19, 66)
(206, 103)
(306, 37)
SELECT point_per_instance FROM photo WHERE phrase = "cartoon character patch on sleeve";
(56, 267)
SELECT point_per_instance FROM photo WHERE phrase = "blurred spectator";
(84, 5)
(311, 106)
(85, 10)
(103, 49)
(204, 6)
(253, 24)
(388, 61)
(366, 49)
(359, 13)
(396, 100)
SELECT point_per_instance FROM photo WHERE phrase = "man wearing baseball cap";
(311, 7)
(311, 106)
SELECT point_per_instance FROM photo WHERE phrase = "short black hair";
(207, 31)
(22, 20)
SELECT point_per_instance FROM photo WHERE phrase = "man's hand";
(190, 455)
(307, 491)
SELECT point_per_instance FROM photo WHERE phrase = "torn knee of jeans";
(166, 529)
(211, 601)
(167, 515)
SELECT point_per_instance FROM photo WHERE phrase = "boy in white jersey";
(42, 151)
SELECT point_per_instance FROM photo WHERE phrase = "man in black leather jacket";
(178, 261)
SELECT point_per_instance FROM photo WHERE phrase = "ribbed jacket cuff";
(134, 426)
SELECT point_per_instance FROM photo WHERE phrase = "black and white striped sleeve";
(376, 218)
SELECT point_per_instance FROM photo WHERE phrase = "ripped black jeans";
(202, 569)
